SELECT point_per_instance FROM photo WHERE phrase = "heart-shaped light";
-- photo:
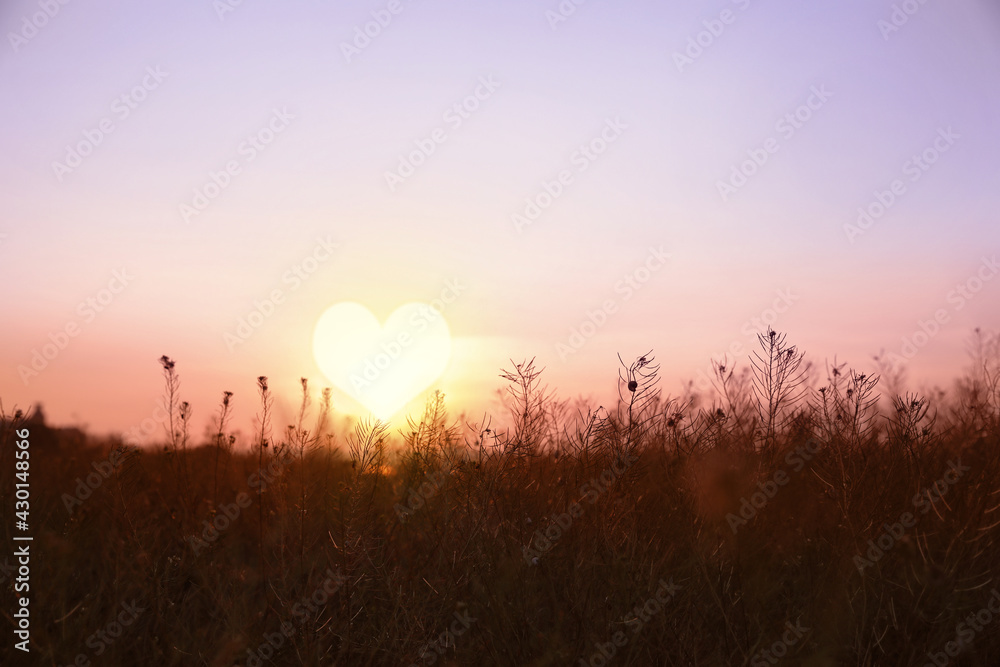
(382, 367)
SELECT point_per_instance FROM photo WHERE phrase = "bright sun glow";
(382, 367)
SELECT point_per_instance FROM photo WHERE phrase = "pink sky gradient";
(288, 141)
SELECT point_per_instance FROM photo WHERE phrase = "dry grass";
(413, 532)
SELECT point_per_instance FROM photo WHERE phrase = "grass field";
(794, 516)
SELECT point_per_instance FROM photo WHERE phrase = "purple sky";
(745, 160)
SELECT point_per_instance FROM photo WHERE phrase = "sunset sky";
(171, 169)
